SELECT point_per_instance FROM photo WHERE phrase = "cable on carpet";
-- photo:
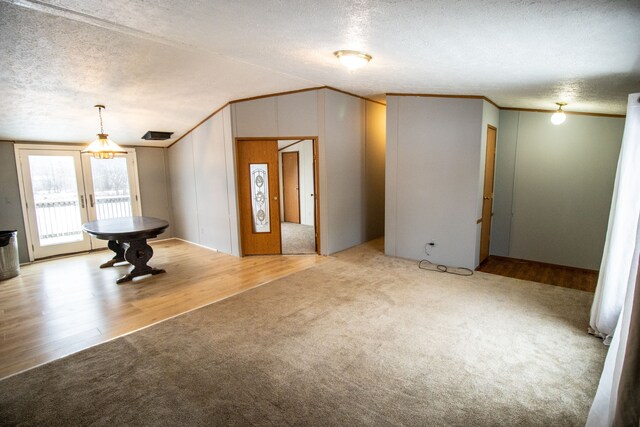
(441, 268)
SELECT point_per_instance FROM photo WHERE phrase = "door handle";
(82, 201)
(486, 198)
(275, 197)
(91, 199)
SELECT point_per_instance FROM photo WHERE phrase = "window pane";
(111, 187)
(55, 194)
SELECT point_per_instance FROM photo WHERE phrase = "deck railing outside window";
(113, 206)
(59, 221)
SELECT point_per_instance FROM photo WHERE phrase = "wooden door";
(487, 195)
(291, 186)
(258, 197)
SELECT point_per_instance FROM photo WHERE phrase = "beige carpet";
(297, 239)
(361, 340)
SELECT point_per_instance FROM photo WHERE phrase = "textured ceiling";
(166, 64)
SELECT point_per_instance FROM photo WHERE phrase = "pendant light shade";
(103, 147)
(559, 116)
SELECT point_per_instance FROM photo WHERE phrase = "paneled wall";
(203, 185)
(351, 170)
(339, 122)
(554, 187)
(433, 168)
(290, 115)
(342, 167)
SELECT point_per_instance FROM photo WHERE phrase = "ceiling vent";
(154, 135)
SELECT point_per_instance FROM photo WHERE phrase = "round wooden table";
(127, 237)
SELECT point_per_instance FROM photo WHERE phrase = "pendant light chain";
(100, 114)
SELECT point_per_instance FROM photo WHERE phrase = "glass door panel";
(111, 186)
(55, 202)
(111, 193)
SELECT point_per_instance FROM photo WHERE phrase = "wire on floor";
(441, 268)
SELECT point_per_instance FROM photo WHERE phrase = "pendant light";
(352, 59)
(103, 147)
(559, 116)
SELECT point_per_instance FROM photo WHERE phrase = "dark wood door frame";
(316, 179)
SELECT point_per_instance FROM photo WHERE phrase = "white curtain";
(621, 233)
(614, 297)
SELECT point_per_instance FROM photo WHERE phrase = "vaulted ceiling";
(166, 64)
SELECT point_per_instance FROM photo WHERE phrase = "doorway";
(487, 193)
(278, 197)
(297, 182)
(62, 189)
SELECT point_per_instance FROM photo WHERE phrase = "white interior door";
(112, 189)
(63, 189)
(55, 201)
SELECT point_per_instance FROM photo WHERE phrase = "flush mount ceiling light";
(559, 116)
(352, 59)
(103, 147)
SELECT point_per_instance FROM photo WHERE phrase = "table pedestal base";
(136, 253)
(119, 257)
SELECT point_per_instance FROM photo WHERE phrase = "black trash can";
(9, 262)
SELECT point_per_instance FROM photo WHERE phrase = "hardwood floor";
(60, 306)
(557, 275)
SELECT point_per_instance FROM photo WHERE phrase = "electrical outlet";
(429, 246)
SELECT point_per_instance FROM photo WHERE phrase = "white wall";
(432, 172)
(562, 181)
(306, 185)
(203, 185)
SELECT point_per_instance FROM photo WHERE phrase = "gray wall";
(153, 177)
(202, 169)
(10, 206)
(554, 187)
(342, 165)
(432, 173)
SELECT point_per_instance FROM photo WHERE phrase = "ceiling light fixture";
(352, 59)
(103, 147)
(559, 116)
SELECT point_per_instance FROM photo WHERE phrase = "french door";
(63, 189)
